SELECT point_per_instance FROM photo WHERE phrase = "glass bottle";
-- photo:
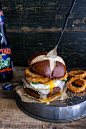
(6, 63)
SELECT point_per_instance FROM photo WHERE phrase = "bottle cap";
(7, 87)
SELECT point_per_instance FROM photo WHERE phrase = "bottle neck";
(3, 39)
(2, 22)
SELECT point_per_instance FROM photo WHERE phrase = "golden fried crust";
(35, 79)
(77, 89)
(78, 73)
(32, 77)
(27, 72)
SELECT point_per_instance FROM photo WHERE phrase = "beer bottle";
(6, 63)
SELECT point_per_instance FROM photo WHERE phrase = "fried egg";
(45, 88)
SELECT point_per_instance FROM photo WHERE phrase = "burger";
(45, 77)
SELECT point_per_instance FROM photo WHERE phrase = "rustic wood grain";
(44, 14)
(11, 117)
(72, 47)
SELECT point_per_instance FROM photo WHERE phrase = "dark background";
(34, 26)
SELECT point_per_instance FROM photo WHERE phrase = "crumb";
(44, 127)
(71, 122)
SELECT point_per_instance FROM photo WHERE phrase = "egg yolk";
(51, 83)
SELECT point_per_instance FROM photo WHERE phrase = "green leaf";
(64, 80)
(35, 82)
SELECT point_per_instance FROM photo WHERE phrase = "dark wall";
(34, 26)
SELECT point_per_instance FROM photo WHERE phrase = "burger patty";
(32, 92)
(37, 95)
(33, 77)
(54, 91)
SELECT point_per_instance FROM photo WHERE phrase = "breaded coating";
(35, 79)
(28, 72)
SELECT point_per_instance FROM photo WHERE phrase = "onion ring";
(78, 73)
(34, 79)
(78, 82)
(74, 89)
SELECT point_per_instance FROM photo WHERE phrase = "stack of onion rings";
(78, 73)
(78, 78)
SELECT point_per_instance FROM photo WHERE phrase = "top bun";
(51, 67)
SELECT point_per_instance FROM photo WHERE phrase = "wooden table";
(11, 117)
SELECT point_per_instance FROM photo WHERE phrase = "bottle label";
(2, 22)
(6, 66)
